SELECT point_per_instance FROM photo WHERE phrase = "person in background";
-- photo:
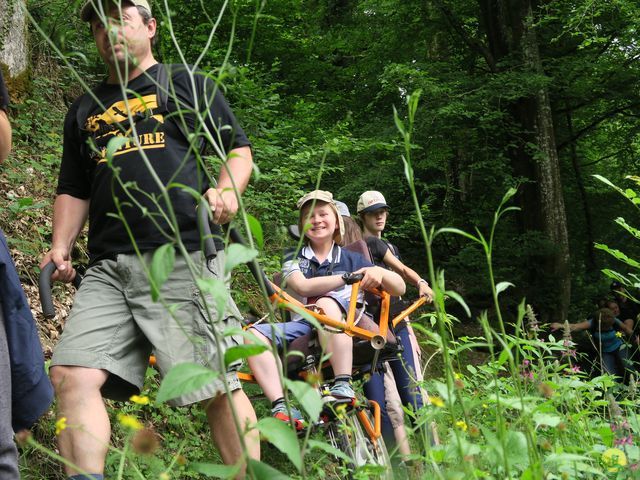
(628, 309)
(25, 389)
(606, 331)
(373, 211)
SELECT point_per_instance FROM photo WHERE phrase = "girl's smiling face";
(321, 222)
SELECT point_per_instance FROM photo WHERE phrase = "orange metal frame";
(282, 299)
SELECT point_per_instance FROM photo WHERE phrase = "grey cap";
(342, 208)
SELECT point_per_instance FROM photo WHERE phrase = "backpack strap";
(162, 87)
(162, 98)
(87, 104)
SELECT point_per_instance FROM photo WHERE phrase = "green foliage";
(630, 279)
(184, 379)
(320, 88)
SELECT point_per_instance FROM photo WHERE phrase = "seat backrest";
(359, 246)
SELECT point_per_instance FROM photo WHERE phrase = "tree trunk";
(554, 219)
(13, 39)
(588, 222)
(511, 38)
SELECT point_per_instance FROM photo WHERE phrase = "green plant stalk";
(260, 4)
(123, 457)
(412, 103)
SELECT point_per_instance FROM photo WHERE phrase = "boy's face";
(375, 221)
(323, 221)
(123, 39)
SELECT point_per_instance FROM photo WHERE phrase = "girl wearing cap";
(401, 377)
(316, 272)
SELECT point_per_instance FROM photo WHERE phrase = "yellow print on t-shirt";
(115, 122)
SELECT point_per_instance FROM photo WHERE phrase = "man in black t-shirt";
(131, 166)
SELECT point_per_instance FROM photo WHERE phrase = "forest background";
(536, 95)
(513, 93)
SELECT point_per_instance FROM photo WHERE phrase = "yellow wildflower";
(436, 402)
(61, 424)
(129, 421)
(485, 406)
(462, 425)
(619, 334)
(139, 399)
(457, 376)
(614, 458)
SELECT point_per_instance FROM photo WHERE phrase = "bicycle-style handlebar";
(44, 288)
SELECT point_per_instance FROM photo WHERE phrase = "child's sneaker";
(281, 413)
(341, 392)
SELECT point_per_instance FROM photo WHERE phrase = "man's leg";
(223, 428)
(85, 441)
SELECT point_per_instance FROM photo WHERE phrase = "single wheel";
(368, 457)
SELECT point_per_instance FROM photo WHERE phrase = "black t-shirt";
(378, 249)
(4, 95)
(85, 174)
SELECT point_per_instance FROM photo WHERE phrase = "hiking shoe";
(281, 413)
(341, 392)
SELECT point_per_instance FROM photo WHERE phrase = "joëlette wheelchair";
(354, 429)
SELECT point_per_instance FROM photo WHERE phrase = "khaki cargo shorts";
(114, 325)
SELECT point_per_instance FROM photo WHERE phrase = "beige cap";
(327, 197)
(91, 6)
(370, 201)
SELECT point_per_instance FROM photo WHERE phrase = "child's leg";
(340, 345)
(266, 370)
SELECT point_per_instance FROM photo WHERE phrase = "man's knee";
(66, 378)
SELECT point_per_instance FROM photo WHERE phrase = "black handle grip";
(210, 250)
(351, 278)
(44, 288)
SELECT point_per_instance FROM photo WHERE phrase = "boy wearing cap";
(373, 211)
(114, 323)
(317, 271)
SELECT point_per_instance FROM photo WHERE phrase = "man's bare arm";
(69, 216)
(222, 199)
